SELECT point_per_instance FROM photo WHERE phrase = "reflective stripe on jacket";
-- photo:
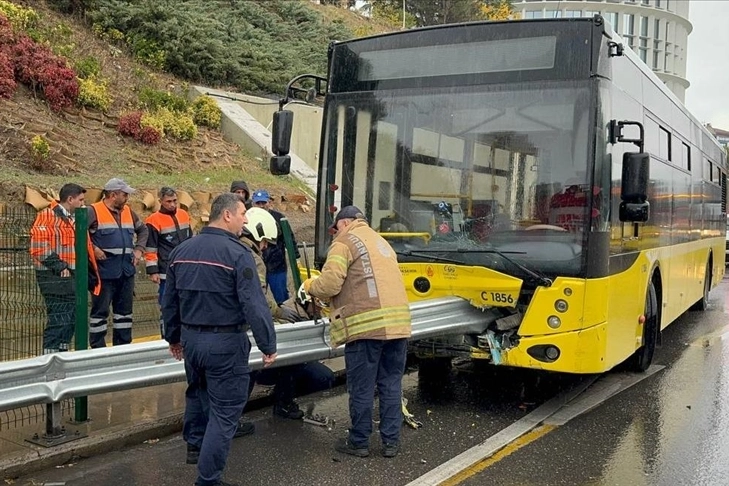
(116, 240)
(166, 231)
(363, 280)
(53, 245)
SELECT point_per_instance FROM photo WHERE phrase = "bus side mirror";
(283, 121)
(634, 206)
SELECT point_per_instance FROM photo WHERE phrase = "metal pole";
(291, 252)
(403, 14)
(81, 337)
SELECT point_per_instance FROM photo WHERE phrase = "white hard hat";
(261, 225)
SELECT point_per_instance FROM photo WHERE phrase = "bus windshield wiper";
(545, 281)
(424, 254)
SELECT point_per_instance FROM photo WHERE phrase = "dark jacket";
(166, 231)
(212, 281)
(275, 255)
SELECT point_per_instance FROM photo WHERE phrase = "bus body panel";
(521, 164)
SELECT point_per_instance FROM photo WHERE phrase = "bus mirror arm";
(616, 133)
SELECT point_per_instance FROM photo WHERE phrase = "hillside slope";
(85, 146)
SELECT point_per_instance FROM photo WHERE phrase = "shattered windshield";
(495, 176)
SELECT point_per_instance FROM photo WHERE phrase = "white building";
(657, 30)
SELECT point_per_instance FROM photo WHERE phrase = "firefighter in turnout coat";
(371, 316)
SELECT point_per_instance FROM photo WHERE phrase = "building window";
(645, 2)
(656, 59)
(644, 26)
(591, 13)
(553, 14)
(664, 144)
(533, 14)
(573, 13)
(658, 3)
(686, 156)
(612, 17)
(657, 29)
(628, 28)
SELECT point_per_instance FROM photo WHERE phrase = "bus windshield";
(495, 175)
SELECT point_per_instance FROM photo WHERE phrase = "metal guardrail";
(55, 377)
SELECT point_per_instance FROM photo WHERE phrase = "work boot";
(193, 454)
(244, 428)
(289, 410)
(346, 447)
(390, 450)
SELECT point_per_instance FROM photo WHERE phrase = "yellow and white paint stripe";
(544, 419)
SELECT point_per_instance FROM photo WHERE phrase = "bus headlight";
(561, 305)
(554, 322)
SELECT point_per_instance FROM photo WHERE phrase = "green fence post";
(81, 336)
(291, 252)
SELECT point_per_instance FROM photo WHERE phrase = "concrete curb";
(99, 443)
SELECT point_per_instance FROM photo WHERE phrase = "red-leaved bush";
(129, 124)
(37, 66)
(60, 86)
(149, 135)
(7, 76)
(7, 38)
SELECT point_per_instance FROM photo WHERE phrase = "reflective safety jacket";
(116, 240)
(52, 245)
(166, 231)
(362, 278)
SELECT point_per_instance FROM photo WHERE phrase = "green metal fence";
(23, 312)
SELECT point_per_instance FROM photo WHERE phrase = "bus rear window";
(521, 54)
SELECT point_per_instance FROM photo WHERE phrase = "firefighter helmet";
(261, 225)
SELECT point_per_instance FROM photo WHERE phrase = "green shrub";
(153, 99)
(153, 120)
(39, 148)
(257, 46)
(206, 112)
(88, 67)
(177, 125)
(94, 93)
(147, 51)
(21, 18)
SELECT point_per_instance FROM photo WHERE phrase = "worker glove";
(303, 293)
(288, 314)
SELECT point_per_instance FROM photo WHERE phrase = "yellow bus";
(536, 168)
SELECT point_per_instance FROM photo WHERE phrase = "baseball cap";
(260, 195)
(116, 184)
(347, 212)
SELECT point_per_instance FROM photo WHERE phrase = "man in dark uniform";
(212, 297)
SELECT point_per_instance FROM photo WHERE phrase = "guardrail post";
(55, 432)
(81, 336)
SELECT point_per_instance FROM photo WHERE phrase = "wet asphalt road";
(671, 429)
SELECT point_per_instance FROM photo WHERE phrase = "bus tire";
(643, 356)
(703, 303)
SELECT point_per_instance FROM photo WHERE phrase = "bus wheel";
(643, 356)
(703, 302)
